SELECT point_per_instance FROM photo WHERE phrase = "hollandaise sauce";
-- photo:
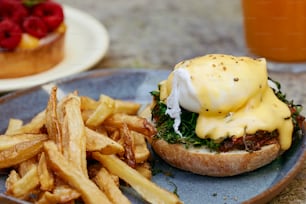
(230, 94)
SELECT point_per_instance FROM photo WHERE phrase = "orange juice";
(276, 29)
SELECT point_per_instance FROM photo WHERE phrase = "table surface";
(159, 34)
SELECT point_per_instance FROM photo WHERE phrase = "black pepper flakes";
(236, 79)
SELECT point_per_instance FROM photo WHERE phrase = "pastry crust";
(23, 62)
(204, 162)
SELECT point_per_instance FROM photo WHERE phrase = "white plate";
(86, 43)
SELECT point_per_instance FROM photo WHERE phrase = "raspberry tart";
(32, 36)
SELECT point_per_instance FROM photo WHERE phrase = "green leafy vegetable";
(296, 109)
(164, 123)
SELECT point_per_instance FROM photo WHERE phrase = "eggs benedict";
(218, 115)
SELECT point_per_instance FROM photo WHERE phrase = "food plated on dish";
(217, 115)
(81, 30)
(79, 148)
(252, 186)
(32, 37)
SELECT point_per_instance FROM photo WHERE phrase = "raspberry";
(13, 10)
(10, 34)
(51, 13)
(35, 26)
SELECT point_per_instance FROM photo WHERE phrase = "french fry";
(53, 166)
(98, 142)
(128, 146)
(134, 123)
(34, 126)
(14, 124)
(127, 107)
(88, 103)
(56, 112)
(88, 106)
(61, 194)
(142, 152)
(25, 185)
(12, 178)
(115, 134)
(86, 114)
(8, 141)
(73, 134)
(105, 108)
(45, 175)
(118, 106)
(106, 183)
(66, 197)
(73, 176)
(47, 198)
(145, 112)
(21, 152)
(144, 169)
(147, 189)
(25, 166)
(96, 167)
(52, 122)
(64, 193)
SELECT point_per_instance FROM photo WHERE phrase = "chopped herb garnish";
(175, 188)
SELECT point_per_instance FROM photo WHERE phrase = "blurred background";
(160, 33)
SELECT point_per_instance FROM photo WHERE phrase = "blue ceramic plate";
(134, 84)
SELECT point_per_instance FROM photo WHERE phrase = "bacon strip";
(249, 142)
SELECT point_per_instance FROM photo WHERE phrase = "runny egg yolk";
(231, 95)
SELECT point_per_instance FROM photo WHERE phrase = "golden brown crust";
(214, 164)
(25, 62)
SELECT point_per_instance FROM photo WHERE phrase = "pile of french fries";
(80, 150)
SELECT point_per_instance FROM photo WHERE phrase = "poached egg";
(231, 95)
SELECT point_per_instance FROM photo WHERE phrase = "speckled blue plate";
(134, 84)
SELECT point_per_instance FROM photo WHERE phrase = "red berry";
(10, 34)
(35, 27)
(13, 10)
(51, 13)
